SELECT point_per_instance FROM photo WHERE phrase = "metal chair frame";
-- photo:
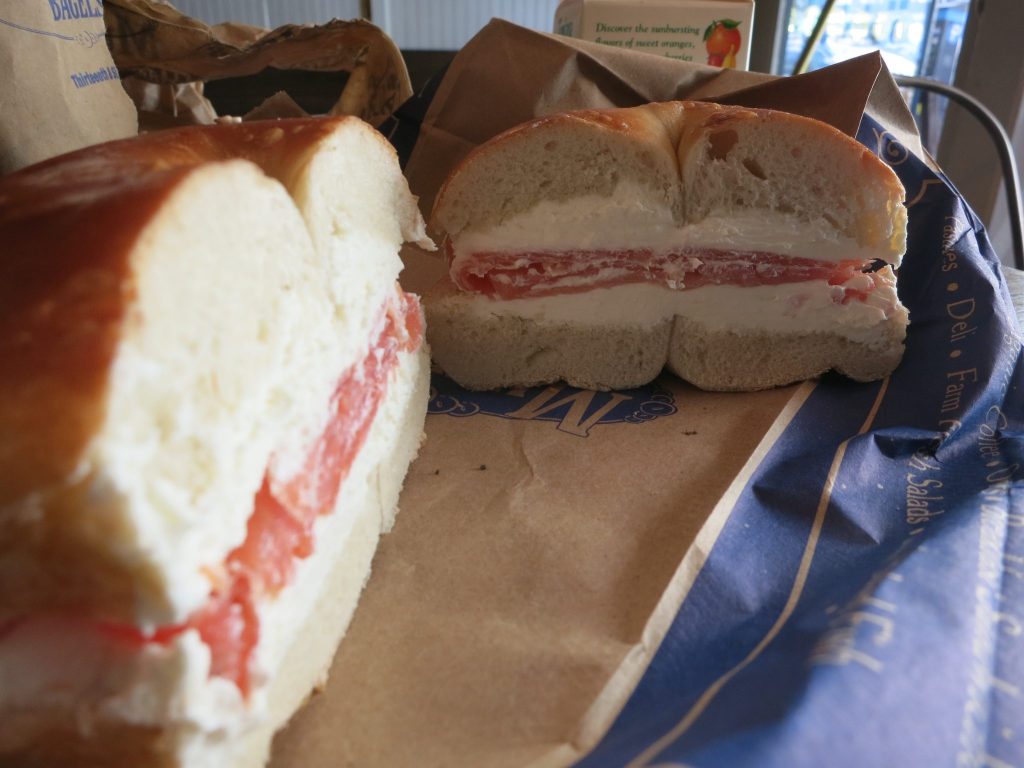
(1003, 145)
(995, 129)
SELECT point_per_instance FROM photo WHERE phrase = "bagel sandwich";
(740, 248)
(211, 389)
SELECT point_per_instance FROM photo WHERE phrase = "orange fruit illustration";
(722, 40)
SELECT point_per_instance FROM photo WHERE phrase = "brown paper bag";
(543, 548)
(61, 91)
(156, 43)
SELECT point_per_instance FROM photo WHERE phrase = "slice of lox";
(212, 691)
(567, 246)
(285, 510)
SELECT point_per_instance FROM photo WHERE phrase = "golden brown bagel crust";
(645, 143)
(647, 135)
(65, 286)
(68, 228)
(844, 182)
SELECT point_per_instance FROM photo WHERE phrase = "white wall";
(447, 24)
(268, 13)
(443, 25)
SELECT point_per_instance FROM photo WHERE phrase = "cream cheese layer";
(624, 221)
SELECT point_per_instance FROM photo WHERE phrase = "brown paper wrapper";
(524, 571)
(156, 43)
(536, 565)
(61, 90)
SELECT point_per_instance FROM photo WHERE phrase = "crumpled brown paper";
(156, 43)
(536, 564)
(168, 105)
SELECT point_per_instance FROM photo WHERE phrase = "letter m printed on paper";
(579, 416)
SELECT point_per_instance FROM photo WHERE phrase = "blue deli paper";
(863, 602)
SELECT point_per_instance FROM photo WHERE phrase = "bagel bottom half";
(482, 345)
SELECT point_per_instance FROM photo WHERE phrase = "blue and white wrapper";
(862, 599)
